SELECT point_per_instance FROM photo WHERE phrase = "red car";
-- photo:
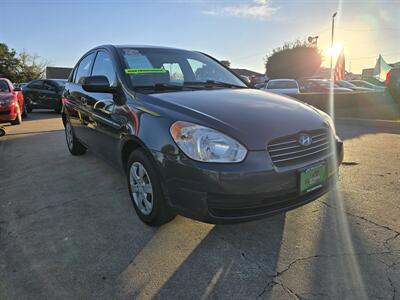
(12, 106)
(393, 83)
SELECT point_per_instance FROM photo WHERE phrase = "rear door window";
(36, 85)
(48, 86)
(83, 69)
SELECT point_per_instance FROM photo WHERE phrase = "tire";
(24, 111)
(74, 146)
(145, 190)
(59, 108)
(29, 109)
(18, 118)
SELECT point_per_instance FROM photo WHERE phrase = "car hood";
(5, 95)
(250, 116)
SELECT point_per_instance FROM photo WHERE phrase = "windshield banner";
(145, 71)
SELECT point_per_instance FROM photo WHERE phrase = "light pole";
(332, 36)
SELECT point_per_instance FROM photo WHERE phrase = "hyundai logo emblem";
(305, 139)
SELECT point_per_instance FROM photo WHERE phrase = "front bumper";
(227, 193)
(8, 112)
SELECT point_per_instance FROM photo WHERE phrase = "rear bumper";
(228, 193)
(8, 112)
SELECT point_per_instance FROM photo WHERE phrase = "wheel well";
(127, 149)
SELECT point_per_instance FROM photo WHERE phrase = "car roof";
(110, 46)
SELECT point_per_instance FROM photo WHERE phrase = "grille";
(286, 151)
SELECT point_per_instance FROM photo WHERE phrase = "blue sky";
(240, 31)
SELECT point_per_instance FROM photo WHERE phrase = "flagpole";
(331, 111)
(332, 37)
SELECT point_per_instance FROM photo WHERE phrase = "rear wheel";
(145, 190)
(74, 146)
(18, 118)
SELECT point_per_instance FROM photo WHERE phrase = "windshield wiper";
(213, 83)
(160, 87)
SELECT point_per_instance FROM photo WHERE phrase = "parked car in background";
(320, 86)
(44, 93)
(393, 83)
(349, 85)
(282, 86)
(205, 146)
(19, 85)
(12, 105)
(366, 84)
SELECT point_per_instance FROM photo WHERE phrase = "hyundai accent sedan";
(193, 138)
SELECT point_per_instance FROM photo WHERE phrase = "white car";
(282, 86)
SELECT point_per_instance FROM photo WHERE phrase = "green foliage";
(226, 63)
(293, 60)
(20, 67)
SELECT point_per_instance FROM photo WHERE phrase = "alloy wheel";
(70, 136)
(141, 188)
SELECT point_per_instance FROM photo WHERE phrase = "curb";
(369, 123)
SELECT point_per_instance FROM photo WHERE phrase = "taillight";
(387, 81)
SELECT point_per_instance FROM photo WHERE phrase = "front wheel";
(24, 111)
(145, 190)
(74, 146)
(18, 118)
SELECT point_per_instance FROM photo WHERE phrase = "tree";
(9, 63)
(22, 67)
(293, 60)
(226, 63)
(31, 67)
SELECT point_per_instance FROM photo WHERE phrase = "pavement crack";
(397, 233)
(51, 206)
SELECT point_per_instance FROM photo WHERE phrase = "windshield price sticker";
(145, 71)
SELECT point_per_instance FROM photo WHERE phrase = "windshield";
(154, 66)
(4, 87)
(281, 84)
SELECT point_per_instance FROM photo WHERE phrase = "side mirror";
(97, 84)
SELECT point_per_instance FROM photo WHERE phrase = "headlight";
(205, 144)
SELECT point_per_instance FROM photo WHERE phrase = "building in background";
(58, 72)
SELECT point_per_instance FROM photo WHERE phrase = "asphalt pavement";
(68, 231)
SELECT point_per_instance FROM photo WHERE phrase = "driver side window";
(83, 69)
(103, 66)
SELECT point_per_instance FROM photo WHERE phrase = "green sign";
(312, 178)
(145, 71)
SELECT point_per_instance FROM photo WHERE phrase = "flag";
(381, 69)
(340, 67)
